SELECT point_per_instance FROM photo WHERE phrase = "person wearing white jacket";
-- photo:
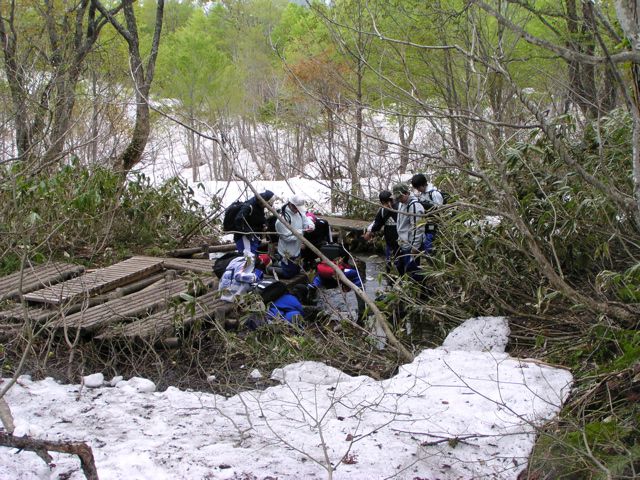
(294, 212)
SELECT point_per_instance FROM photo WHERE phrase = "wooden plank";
(124, 308)
(97, 281)
(161, 324)
(190, 264)
(36, 277)
(36, 315)
(346, 223)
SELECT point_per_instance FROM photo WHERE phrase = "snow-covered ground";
(464, 410)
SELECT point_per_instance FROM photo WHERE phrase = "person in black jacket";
(385, 220)
(251, 221)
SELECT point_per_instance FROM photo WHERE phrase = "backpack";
(445, 196)
(220, 264)
(271, 290)
(333, 251)
(272, 235)
(230, 214)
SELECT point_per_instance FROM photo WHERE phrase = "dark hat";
(266, 195)
(399, 189)
(384, 196)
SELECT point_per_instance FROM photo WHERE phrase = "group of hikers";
(401, 218)
(409, 234)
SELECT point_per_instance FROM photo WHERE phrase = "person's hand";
(367, 236)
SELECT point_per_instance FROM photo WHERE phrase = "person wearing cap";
(250, 222)
(241, 275)
(410, 230)
(321, 235)
(385, 220)
(289, 246)
(430, 198)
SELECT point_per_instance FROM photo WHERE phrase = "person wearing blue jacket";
(287, 308)
(250, 223)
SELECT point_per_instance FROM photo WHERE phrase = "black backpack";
(272, 235)
(229, 218)
(445, 196)
(429, 204)
(271, 290)
(220, 264)
(333, 251)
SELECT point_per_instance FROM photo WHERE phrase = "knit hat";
(267, 195)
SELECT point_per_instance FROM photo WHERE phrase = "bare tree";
(43, 72)
(142, 75)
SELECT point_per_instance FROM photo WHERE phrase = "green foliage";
(77, 211)
(624, 285)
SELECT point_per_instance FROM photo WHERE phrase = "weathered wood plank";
(189, 264)
(97, 281)
(345, 223)
(162, 324)
(18, 313)
(125, 308)
(36, 277)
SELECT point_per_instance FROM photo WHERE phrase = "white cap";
(298, 201)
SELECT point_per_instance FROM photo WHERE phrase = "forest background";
(525, 111)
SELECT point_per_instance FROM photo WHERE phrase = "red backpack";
(325, 271)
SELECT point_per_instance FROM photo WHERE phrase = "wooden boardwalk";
(98, 281)
(163, 324)
(346, 223)
(138, 298)
(127, 308)
(36, 277)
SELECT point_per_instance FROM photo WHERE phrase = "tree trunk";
(142, 78)
(406, 131)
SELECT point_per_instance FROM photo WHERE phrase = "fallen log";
(204, 249)
(43, 447)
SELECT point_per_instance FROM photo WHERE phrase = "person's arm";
(241, 222)
(379, 221)
(415, 232)
(374, 226)
(307, 224)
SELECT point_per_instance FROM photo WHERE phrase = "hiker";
(410, 230)
(288, 308)
(289, 245)
(318, 237)
(241, 274)
(250, 223)
(326, 278)
(431, 198)
(385, 220)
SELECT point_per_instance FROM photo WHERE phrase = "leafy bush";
(77, 211)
